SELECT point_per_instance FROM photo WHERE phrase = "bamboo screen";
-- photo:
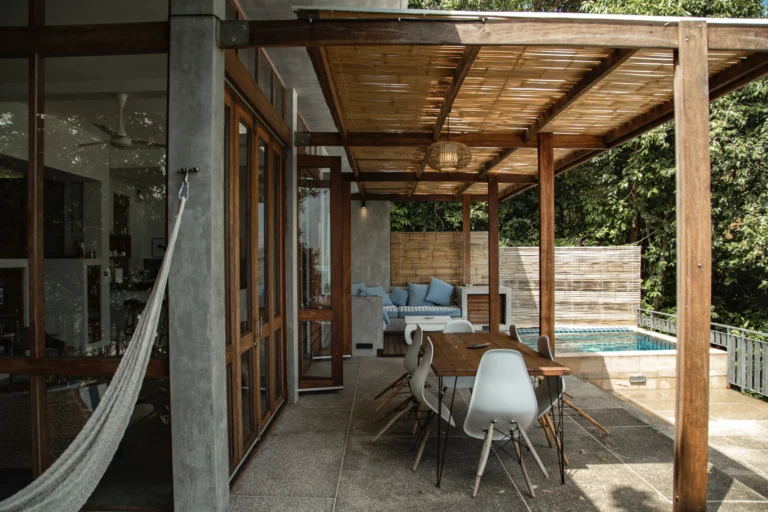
(593, 285)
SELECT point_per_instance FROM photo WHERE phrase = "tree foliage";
(627, 195)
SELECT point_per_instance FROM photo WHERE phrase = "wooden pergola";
(533, 95)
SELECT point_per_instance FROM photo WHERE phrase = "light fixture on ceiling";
(448, 155)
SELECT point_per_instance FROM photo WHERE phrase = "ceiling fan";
(119, 139)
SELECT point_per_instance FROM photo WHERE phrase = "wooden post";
(346, 229)
(694, 266)
(339, 301)
(467, 231)
(493, 255)
(547, 238)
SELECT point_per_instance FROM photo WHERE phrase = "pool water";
(602, 342)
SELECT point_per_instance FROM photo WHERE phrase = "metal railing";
(747, 349)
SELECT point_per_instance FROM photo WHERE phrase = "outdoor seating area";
(320, 456)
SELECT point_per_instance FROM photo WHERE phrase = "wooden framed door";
(324, 302)
(255, 352)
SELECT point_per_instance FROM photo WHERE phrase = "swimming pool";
(587, 342)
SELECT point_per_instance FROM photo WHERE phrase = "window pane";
(16, 438)
(14, 169)
(248, 58)
(244, 188)
(140, 474)
(230, 13)
(278, 362)
(277, 202)
(264, 376)
(263, 235)
(87, 12)
(230, 423)
(246, 389)
(265, 76)
(227, 268)
(315, 349)
(314, 242)
(14, 13)
(105, 200)
(279, 96)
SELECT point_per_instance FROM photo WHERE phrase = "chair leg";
(584, 415)
(394, 419)
(533, 452)
(483, 458)
(392, 385)
(416, 421)
(546, 431)
(551, 424)
(391, 395)
(423, 442)
(516, 442)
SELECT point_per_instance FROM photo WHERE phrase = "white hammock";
(67, 484)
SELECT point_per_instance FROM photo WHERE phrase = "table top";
(453, 359)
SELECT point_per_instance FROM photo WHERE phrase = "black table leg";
(441, 461)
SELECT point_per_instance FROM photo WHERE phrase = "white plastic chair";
(513, 333)
(453, 327)
(419, 397)
(503, 407)
(410, 362)
(549, 391)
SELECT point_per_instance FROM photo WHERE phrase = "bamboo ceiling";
(504, 90)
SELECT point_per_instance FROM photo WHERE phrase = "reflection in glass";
(263, 235)
(277, 203)
(264, 376)
(230, 424)
(227, 269)
(314, 242)
(14, 169)
(315, 338)
(265, 76)
(278, 362)
(14, 13)
(104, 200)
(246, 280)
(88, 12)
(16, 453)
(246, 389)
(143, 461)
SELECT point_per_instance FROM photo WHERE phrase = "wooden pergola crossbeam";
(503, 155)
(592, 78)
(420, 139)
(465, 64)
(439, 177)
(420, 198)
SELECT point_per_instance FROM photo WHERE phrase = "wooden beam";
(465, 64)
(488, 167)
(547, 238)
(424, 198)
(466, 224)
(418, 139)
(403, 31)
(592, 78)
(438, 177)
(419, 173)
(493, 257)
(694, 268)
(337, 275)
(738, 37)
(330, 93)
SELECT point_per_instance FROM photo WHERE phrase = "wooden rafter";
(328, 86)
(503, 155)
(465, 64)
(440, 177)
(417, 139)
(592, 78)
(475, 198)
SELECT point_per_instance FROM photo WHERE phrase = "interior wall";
(370, 243)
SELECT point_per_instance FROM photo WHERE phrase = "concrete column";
(197, 280)
(291, 254)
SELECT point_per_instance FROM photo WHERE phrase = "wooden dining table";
(453, 358)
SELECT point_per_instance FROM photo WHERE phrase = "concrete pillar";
(197, 317)
(291, 254)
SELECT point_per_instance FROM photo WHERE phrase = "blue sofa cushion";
(391, 311)
(399, 296)
(451, 311)
(376, 291)
(439, 292)
(417, 295)
(356, 287)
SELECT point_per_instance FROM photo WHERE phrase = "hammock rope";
(68, 483)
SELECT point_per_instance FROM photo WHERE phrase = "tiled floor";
(320, 455)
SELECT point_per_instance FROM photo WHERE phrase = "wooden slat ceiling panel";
(508, 87)
(525, 161)
(392, 88)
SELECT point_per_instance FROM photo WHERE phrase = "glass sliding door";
(254, 247)
(321, 308)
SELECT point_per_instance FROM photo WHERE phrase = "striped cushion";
(391, 311)
(451, 311)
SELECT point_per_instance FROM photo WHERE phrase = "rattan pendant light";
(448, 155)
